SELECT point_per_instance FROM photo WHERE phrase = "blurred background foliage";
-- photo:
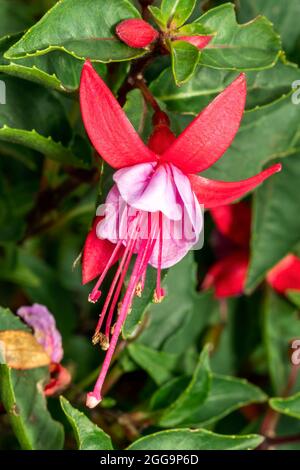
(164, 378)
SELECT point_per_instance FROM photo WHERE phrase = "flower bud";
(136, 33)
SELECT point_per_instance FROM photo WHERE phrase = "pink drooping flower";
(44, 328)
(227, 276)
(138, 33)
(156, 194)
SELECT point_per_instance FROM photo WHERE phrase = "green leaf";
(158, 16)
(189, 402)
(185, 58)
(294, 296)
(176, 323)
(15, 17)
(251, 46)
(158, 364)
(56, 70)
(226, 394)
(9, 321)
(288, 406)
(263, 87)
(45, 129)
(285, 19)
(266, 134)
(23, 399)
(87, 434)
(82, 28)
(140, 305)
(196, 439)
(276, 224)
(176, 12)
(280, 324)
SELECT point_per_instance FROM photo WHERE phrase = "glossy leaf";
(254, 45)
(25, 404)
(176, 12)
(82, 28)
(226, 394)
(280, 328)
(195, 439)
(276, 226)
(56, 70)
(185, 58)
(45, 129)
(158, 364)
(289, 406)
(87, 434)
(263, 87)
(193, 397)
(285, 19)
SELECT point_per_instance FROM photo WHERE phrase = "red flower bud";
(136, 33)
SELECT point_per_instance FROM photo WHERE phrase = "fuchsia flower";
(47, 335)
(227, 276)
(157, 183)
(137, 33)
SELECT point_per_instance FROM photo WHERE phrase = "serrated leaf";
(158, 364)
(56, 70)
(185, 58)
(87, 434)
(285, 19)
(176, 12)
(45, 145)
(197, 439)
(289, 406)
(251, 46)
(45, 129)
(23, 399)
(280, 327)
(263, 87)
(276, 223)
(189, 402)
(82, 28)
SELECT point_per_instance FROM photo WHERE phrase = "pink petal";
(96, 254)
(149, 188)
(107, 126)
(136, 32)
(234, 222)
(227, 276)
(198, 41)
(60, 378)
(209, 135)
(285, 275)
(43, 323)
(213, 193)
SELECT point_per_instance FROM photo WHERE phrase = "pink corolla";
(156, 196)
(44, 328)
